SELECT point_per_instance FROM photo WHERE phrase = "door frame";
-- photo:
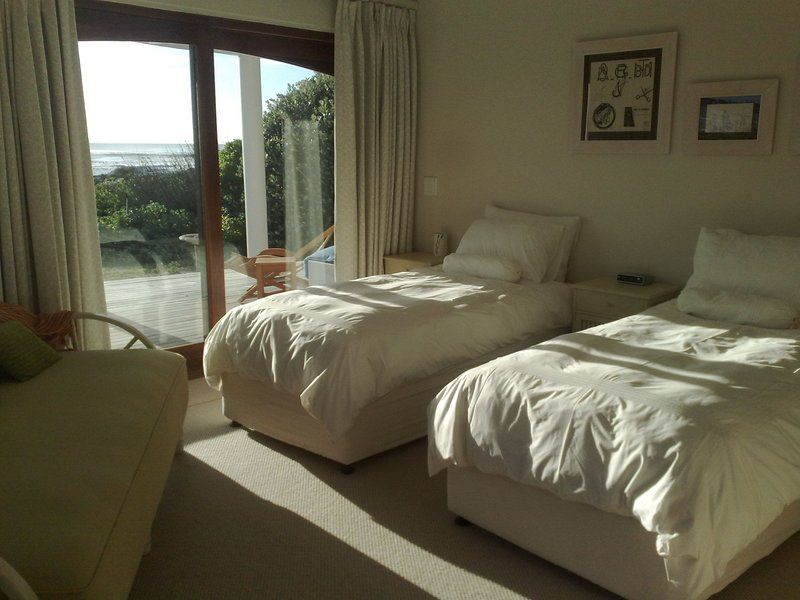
(99, 20)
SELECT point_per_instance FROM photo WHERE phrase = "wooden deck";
(169, 309)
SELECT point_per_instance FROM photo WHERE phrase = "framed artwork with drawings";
(622, 94)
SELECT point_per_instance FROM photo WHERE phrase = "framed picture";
(622, 94)
(730, 117)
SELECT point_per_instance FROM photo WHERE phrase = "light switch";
(430, 186)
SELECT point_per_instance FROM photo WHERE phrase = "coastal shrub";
(153, 221)
(231, 183)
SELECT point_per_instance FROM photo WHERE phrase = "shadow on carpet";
(242, 546)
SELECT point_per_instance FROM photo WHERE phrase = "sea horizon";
(108, 156)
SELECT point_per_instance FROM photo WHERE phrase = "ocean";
(107, 157)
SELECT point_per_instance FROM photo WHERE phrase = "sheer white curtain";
(49, 243)
(376, 126)
(302, 183)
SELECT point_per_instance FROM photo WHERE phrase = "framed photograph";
(730, 117)
(622, 94)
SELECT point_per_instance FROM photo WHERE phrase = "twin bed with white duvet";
(347, 370)
(658, 455)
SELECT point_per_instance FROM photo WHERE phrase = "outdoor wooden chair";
(275, 269)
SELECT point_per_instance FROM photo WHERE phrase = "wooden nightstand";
(603, 300)
(409, 260)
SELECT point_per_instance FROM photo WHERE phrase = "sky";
(140, 93)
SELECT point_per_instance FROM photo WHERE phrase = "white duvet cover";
(690, 426)
(342, 346)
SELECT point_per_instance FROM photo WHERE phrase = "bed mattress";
(339, 347)
(394, 419)
(609, 550)
(691, 427)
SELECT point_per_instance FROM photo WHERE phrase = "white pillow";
(765, 265)
(746, 309)
(488, 267)
(557, 270)
(532, 247)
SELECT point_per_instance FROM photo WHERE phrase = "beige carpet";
(200, 392)
(247, 517)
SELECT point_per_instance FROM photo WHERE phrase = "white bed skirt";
(396, 418)
(613, 551)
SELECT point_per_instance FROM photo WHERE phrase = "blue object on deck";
(327, 255)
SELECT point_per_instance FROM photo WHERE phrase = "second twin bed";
(657, 455)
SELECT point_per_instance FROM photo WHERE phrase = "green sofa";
(85, 451)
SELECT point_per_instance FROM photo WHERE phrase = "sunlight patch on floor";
(300, 487)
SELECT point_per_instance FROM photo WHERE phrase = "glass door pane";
(231, 175)
(298, 140)
(275, 126)
(139, 110)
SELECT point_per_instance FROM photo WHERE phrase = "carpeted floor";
(247, 517)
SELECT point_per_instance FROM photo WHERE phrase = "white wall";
(317, 15)
(493, 115)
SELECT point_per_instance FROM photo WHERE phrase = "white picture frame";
(622, 95)
(730, 117)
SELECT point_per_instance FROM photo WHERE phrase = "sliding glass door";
(275, 127)
(139, 109)
(212, 143)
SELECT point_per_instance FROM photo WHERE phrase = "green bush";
(153, 221)
(231, 184)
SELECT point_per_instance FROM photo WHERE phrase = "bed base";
(394, 419)
(612, 551)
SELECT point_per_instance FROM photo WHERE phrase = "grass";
(127, 267)
(127, 259)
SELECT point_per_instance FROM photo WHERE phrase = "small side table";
(604, 300)
(274, 271)
(410, 260)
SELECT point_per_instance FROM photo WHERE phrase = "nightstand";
(603, 300)
(409, 260)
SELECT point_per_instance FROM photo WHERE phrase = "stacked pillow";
(746, 279)
(488, 267)
(557, 270)
(510, 245)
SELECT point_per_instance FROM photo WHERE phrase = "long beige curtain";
(376, 124)
(49, 243)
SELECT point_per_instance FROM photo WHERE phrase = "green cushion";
(22, 354)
